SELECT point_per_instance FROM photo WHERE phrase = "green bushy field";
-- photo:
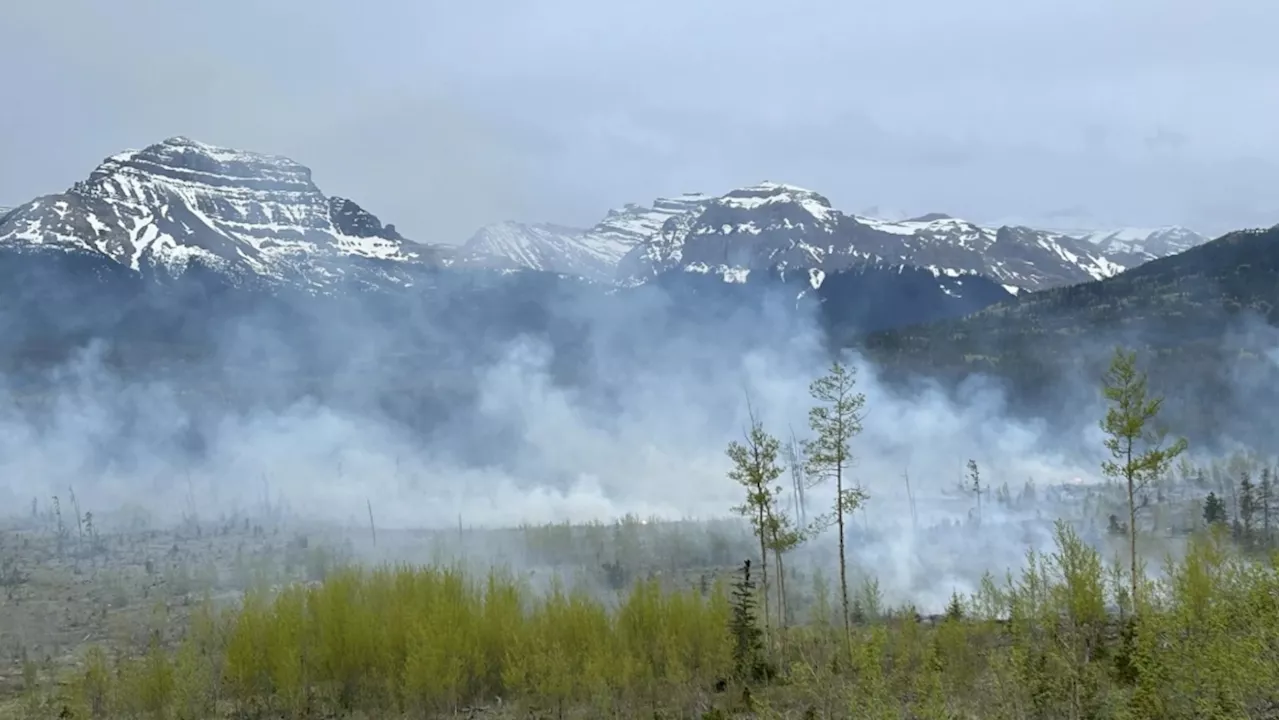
(1058, 639)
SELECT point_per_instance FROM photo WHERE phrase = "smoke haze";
(628, 413)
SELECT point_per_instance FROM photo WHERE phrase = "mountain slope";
(180, 204)
(593, 253)
(542, 246)
(1204, 318)
(778, 227)
(1230, 276)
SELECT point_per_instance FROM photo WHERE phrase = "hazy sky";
(442, 116)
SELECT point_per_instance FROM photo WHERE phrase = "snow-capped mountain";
(253, 217)
(593, 253)
(778, 227)
(180, 204)
(1139, 245)
(533, 246)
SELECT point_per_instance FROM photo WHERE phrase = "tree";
(1265, 497)
(755, 468)
(784, 537)
(1215, 510)
(795, 467)
(835, 420)
(748, 649)
(1248, 508)
(1137, 457)
(975, 486)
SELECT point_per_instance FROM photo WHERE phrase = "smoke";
(626, 412)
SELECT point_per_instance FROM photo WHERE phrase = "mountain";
(593, 253)
(164, 253)
(540, 246)
(187, 237)
(1182, 295)
(229, 275)
(1138, 245)
(181, 206)
(774, 227)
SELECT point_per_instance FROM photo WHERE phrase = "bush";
(427, 641)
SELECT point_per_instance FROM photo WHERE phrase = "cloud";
(442, 117)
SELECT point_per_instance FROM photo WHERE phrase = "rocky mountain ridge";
(778, 228)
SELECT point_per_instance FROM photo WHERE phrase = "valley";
(265, 457)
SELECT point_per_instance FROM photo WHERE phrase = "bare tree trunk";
(764, 572)
(844, 580)
(782, 597)
(1133, 530)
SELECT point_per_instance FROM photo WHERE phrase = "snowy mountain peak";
(1141, 244)
(768, 225)
(181, 202)
(182, 160)
(778, 194)
(533, 246)
(623, 227)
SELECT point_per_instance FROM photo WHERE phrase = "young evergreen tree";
(1135, 445)
(748, 647)
(756, 469)
(835, 420)
(1215, 510)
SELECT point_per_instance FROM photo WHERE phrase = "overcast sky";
(442, 116)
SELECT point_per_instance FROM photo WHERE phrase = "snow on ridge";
(226, 155)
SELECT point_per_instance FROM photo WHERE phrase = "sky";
(444, 116)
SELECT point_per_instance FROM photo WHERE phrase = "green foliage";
(835, 420)
(748, 644)
(1215, 510)
(401, 642)
(1135, 444)
(756, 469)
